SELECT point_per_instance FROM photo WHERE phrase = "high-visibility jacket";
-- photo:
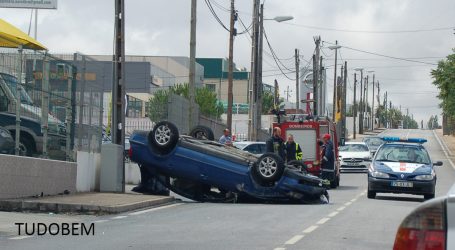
(293, 152)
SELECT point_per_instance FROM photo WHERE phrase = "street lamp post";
(361, 101)
(335, 47)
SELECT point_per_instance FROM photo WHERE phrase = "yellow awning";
(12, 37)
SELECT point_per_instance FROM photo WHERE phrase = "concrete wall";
(25, 176)
(88, 171)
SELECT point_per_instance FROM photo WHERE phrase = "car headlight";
(377, 174)
(4, 133)
(424, 177)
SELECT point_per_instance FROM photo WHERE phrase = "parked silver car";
(254, 147)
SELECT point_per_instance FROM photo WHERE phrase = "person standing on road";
(226, 138)
(328, 159)
(293, 150)
(275, 144)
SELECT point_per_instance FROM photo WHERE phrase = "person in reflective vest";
(293, 150)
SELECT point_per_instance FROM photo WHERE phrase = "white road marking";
(353, 200)
(294, 240)
(154, 209)
(100, 221)
(310, 229)
(279, 248)
(322, 221)
(348, 203)
(119, 217)
(443, 149)
(21, 237)
(333, 214)
(341, 208)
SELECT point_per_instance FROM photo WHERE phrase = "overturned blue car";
(196, 167)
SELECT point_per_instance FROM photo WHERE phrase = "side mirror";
(438, 163)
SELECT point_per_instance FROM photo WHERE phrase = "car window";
(253, 148)
(353, 148)
(262, 148)
(402, 153)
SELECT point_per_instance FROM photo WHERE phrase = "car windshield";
(403, 153)
(240, 145)
(353, 148)
(373, 142)
(11, 82)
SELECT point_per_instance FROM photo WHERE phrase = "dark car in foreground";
(204, 170)
(402, 166)
(430, 226)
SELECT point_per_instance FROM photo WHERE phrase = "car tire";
(371, 194)
(163, 138)
(26, 146)
(300, 165)
(269, 168)
(202, 133)
(429, 196)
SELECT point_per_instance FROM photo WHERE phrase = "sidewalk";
(91, 203)
(449, 141)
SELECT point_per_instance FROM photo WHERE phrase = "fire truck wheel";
(269, 168)
(202, 133)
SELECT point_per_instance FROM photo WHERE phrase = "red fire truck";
(307, 130)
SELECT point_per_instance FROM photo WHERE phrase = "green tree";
(268, 102)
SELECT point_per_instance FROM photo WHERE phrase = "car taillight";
(425, 228)
(130, 152)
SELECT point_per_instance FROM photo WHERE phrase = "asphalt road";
(350, 221)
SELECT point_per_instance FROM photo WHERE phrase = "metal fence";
(51, 102)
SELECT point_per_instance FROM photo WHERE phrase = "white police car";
(402, 166)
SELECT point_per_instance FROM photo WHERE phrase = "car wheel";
(428, 196)
(371, 194)
(269, 168)
(202, 133)
(299, 165)
(25, 146)
(163, 138)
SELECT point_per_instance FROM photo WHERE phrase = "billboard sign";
(29, 4)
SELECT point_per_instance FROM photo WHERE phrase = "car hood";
(37, 111)
(403, 167)
(365, 154)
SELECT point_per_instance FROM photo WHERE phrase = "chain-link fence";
(50, 103)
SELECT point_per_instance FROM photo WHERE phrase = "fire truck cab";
(307, 130)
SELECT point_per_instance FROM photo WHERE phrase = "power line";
(209, 5)
(372, 31)
(392, 57)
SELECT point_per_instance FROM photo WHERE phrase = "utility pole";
(259, 74)
(355, 105)
(191, 85)
(372, 107)
(297, 78)
(316, 69)
(118, 85)
(343, 114)
(365, 99)
(321, 90)
(315, 85)
(231, 67)
(361, 103)
(385, 107)
(287, 93)
(253, 82)
(335, 81)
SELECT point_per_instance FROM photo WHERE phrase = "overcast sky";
(162, 27)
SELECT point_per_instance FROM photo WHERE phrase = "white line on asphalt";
(348, 203)
(119, 217)
(353, 200)
(279, 248)
(154, 209)
(294, 240)
(333, 214)
(310, 229)
(341, 208)
(100, 221)
(322, 221)
(443, 149)
(21, 237)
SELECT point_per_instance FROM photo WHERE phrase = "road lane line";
(279, 248)
(333, 214)
(154, 209)
(294, 240)
(310, 229)
(348, 203)
(341, 208)
(322, 221)
(119, 217)
(21, 237)
(353, 200)
(444, 150)
(100, 221)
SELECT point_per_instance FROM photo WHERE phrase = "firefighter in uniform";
(293, 150)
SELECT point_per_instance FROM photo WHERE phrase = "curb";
(54, 207)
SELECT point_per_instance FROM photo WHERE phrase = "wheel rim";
(162, 135)
(268, 166)
(201, 135)
(22, 149)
